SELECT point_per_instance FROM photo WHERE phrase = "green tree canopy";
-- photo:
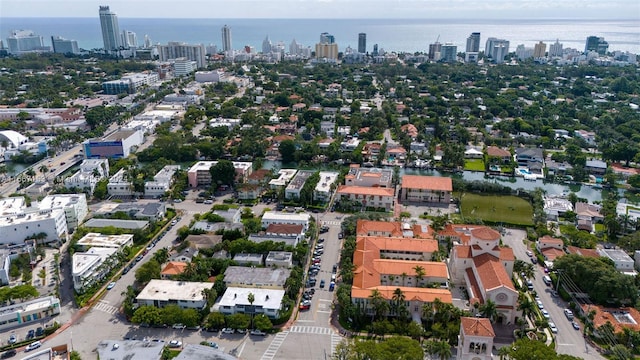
(223, 173)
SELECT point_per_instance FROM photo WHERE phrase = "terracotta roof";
(365, 190)
(427, 183)
(552, 253)
(475, 288)
(405, 244)
(397, 267)
(477, 326)
(485, 233)
(497, 152)
(427, 295)
(285, 229)
(507, 254)
(398, 150)
(463, 251)
(551, 240)
(173, 268)
(604, 315)
(583, 252)
(365, 227)
(491, 272)
(259, 174)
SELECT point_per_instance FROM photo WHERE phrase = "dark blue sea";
(411, 35)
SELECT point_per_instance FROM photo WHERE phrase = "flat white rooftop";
(61, 201)
(100, 240)
(266, 298)
(327, 178)
(31, 216)
(81, 261)
(206, 165)
(11, 205)
(284, 217)
(165, 290)
(284, 176)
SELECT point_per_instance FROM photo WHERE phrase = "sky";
(327, 9)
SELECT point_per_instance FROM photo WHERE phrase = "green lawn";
(474, 164)
(497, 209)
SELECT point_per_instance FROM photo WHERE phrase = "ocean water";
(410, 35)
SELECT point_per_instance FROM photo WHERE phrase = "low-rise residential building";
(152, 211)
(120, 185)
(550, 248)
(74, 206)
(369, 177)
(373, 197)
(475, 341)
(284, 176)
(130, 349)
(266, 301)
(31, 311)
(279, 259)
(556, 206)
(628, 210)
(500, 155)
(161, 182)
(525, 156)
(231, 215)
(91, 171)
(588, 136)
(29, 224)
(172, 269)
(426, 189)
(621, 260)
(385, 264)
(326, 185)
(274, 217)
(118, 242)
(290, 234)
(249, 259)
(199, 174)
(116, 223)
(91, 266)
(292, 191)
(116, 146)
(184, 294)
(595, 167)
(587, 215)
(256, 277)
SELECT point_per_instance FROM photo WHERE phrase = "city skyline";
(495, 9)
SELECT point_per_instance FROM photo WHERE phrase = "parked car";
(334, 269)
(257, 332)
(553, 327)
(568, 313)
(111, 285)
(138, 258)
(321, 284)
(213, 344)
(575, 325)
(529, 253)
(305, 306)
(178, 326)
(540, 305)
(34, 345)
(9, 353)
(320, 241)
(545, 313)
(39, 331)
(13, 339)
(31, 334)
(228, 331)
(175, 343)
(332, 285)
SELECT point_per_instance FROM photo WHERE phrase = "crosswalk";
(335, 340)
(317, 330)
(104, 306)
(273, 348)
(331, 223)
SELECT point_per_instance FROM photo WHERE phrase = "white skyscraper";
(174, 50)
(266, 45)
(496, 49)
(555, 49)
(24, 41)
(129, 39)
(64, 46)
(110, 29)
(226, 38)
(147, 41)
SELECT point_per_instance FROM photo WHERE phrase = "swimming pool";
(524, 171)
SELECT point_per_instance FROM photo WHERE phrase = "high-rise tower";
(110, 29)
(226, 38)
(362, 43)
(473, 42)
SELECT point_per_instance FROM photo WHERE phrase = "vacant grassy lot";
(497, 208)
(474, 164)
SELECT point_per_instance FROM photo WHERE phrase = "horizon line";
(322, 18)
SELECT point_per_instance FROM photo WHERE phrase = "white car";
(175, 343)
(553, 327)
(540, 305)
(258, 332)
(34, 345)
(545, 313)
(111, 285)
(228, 331)
(178, 326)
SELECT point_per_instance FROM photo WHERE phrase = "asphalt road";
(568, 340)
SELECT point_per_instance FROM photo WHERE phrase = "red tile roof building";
(484, 268)
(368, 196)
(475, 341)
(426, 189)
(388, 261)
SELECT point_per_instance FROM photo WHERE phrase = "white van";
(547, 280)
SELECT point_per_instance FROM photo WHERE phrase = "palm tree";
(443, 350)
(398, 300)
(404, 277)
(524, 268)
(391, 279)
(379, 304)
(489, 310)
(251, 298)
(419, 273)
(504, 352)
(525, 305)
